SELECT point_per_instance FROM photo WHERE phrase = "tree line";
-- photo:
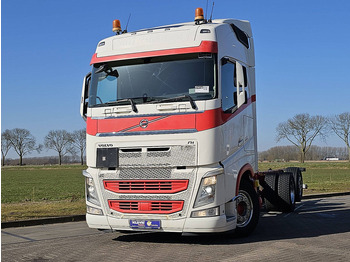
(44, 160)
(302, 129)
(61, 141)
(289, 153)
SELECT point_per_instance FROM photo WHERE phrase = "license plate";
(144, 224)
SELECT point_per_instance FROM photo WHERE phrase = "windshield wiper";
(132, 103)
(179, 98)
(144, 99)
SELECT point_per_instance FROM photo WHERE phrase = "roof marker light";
(199, 15)
(116, 26)
(205, 31)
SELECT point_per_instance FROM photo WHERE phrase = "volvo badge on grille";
(144, 123)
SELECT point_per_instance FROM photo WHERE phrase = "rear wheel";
(271, 181)
(247, 208)
(298, 181)
(286, 192)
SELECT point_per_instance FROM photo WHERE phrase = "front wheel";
(247, 208)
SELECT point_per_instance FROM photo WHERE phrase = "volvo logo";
(144, 123)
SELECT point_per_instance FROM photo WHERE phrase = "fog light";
(210, 212)
(93, 211)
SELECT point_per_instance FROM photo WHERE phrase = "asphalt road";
(319, 230)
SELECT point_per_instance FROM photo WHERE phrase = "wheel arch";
(246, 173)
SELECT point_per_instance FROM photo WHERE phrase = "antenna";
(206, 11)
(126, 28)
(211, 15)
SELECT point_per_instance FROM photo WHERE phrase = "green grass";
(321, 177)
(34, 183)
(41, 191)
(42, 209)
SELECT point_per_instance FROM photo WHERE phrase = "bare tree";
(340, 124)
(301, 130)
(5, 145)
(79, 142)
(60, 141)
(23, 142)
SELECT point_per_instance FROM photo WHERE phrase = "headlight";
(206, 191)
(91, 194)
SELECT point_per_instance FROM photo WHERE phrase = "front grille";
(146, 186)
(169, 156)
(146, 207)
(145, 173)
(148, 175)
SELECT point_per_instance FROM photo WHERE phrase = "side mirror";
(241, 95)
(85, 96)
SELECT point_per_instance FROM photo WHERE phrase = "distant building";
(331, 158)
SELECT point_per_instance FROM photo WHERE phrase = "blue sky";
(302, 56)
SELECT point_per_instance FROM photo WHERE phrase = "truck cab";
(171, 129)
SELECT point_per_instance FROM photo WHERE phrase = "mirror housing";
(241, 94)
(85, 96)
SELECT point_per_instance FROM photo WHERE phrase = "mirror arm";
(84, 96)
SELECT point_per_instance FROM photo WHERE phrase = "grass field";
(43, 191)
(40, 183)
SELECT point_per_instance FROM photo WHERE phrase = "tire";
(286, 192)
(271, 194)
(298, 181)
(248, 209)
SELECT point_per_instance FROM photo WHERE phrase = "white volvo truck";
(171, 132)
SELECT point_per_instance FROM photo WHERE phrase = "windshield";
(153, 80)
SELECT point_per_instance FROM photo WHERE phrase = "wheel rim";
(244, 209)
(300, 186)
(292, 194)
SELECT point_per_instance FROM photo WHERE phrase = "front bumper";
(180, 221)
(215, 224)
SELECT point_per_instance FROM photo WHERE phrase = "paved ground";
(319, 230)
